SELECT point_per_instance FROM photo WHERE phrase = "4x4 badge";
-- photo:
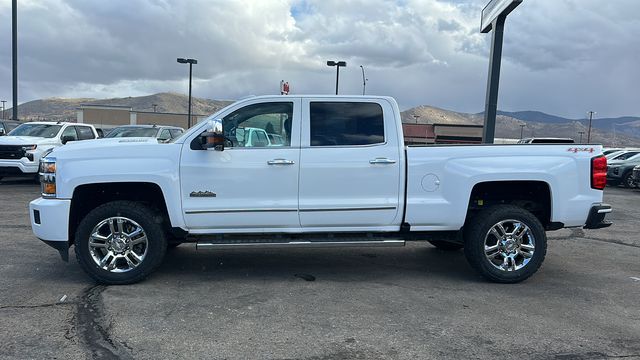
(202, 194)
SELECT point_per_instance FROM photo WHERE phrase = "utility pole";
(522, 130)
(3, 102)
(14, 54)
(591, 113)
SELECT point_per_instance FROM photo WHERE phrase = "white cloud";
(561, 56)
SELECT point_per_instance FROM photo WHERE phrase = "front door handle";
(382, 161)
(280, 162)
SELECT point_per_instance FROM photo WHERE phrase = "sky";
(563, 57)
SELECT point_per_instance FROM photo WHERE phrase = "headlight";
(48, 177)
(29, 147)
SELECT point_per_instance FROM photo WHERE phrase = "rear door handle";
(280, 162)
(382, 161)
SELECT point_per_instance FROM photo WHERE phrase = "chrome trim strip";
(605, 211)
(351, 209)
(190, 212)
(302, 244)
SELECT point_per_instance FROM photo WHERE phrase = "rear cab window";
(346, 124)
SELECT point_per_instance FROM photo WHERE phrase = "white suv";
(21, 149)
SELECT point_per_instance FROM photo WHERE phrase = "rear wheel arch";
(534, 196)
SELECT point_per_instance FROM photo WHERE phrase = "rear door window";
(346, 124)
(85, 133)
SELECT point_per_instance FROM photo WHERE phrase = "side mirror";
(67, 138)
(213, 138)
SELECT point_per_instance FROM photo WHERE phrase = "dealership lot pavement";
(397, 303)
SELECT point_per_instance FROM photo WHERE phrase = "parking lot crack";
(93, 327)
(36, 306)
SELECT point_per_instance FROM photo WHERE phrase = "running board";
(299, 244)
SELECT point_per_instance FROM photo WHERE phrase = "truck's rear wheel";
(505, 243)
(120, 242)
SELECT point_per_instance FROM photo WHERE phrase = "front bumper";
(596, 220)
(18, 167)
(50, 223)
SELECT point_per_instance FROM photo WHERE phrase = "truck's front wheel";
(505, 243)
(120, 242)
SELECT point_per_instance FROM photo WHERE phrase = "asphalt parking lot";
(415, 302)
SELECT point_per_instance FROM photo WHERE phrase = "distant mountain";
(623, 131)
(536, 124)
(536, 116)
(59, 109)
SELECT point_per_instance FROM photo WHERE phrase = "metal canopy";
(494, 16)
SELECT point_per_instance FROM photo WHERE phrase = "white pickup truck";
(342, 177)
(22, 148)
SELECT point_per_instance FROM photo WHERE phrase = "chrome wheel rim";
(509, 245)
(118, 244)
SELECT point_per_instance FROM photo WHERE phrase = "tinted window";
(39, 130)
(84, 133)
(625, 156)
(249, 126)
(164, 135)
(175, 133)
(69, 131)
(132, 131)
(344, 123)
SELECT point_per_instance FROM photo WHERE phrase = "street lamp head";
(187, 61)
(337, 63)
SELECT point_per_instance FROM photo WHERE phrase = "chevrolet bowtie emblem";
(202, 194)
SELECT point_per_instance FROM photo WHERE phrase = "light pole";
(581, 133)
(155, 106)
(364, 80)
(416, 116)
(191, 62)
(3, 102)
(337, 64)
(14, 55)
(522, 130)
(591, 113)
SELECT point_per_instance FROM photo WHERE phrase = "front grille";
(616, 171)
(11, 152)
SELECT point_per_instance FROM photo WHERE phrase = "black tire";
(446, 245)
(148, 219)
(477, 229)
(627, 180)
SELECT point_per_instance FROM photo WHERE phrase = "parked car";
(621, 171)
(546, 140)
(343, 179)
(21, 149)
(7, 125)
(162, 133)
(623, 154)
(608, 151)
(636, 176)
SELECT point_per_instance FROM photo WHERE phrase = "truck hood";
(115, 148)
(26, 140)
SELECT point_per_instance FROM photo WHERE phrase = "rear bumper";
(596, 220)
(50, 223)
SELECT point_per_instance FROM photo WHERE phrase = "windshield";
(131, 131)
(38, 130)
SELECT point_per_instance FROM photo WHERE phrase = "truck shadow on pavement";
(337, 265)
